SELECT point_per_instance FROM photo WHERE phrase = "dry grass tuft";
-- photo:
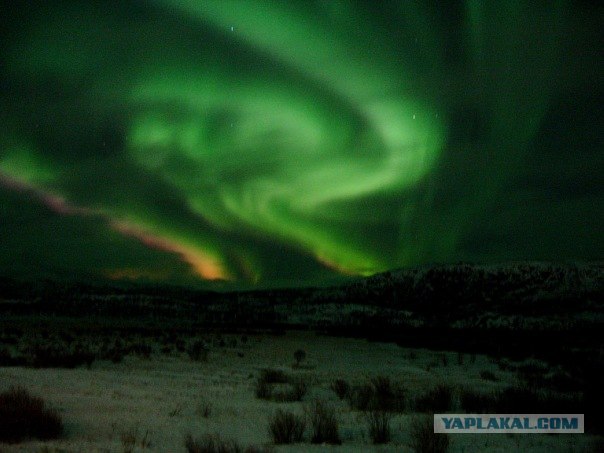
(286, 427)
(423, 438)
(324, 424)
(378, 423)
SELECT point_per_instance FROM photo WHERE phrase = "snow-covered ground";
(158, 401)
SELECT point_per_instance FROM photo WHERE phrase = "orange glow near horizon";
(335, 266)
(131, 273)
(204, 265)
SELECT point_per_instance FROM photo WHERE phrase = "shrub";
(522, 399)
(263, 389)
(295, 392)
(141, 349)
(379, 394)
(361, 397)
(116, 355)
(444, 359)
(531, 370)
(7, 359)
(58, 356)
(299, 356)
(341, 388)
(488, 376)
(211, 443)
(597, 445)
(256, 449)
(272, 376)
(324, 424)
(387, 396)
(379, 426)
(198, 351)
(593, 399)
(519, 400)
(439, 399)
(23, 416)
(563, 381)
(180, 344)
(286, 427)
(423, 438)
(476, 403)
(300, 388)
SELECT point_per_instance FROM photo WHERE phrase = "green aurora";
(275, 143)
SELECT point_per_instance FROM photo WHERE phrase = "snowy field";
(152, 404)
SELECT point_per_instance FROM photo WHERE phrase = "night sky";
(278, 143)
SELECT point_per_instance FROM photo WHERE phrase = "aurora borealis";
(289, 142)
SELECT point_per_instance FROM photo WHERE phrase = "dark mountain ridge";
(551, 311)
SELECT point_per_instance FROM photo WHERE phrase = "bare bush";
(387, 395)
(521, 399)
(476, 402)
(341, 388)
(444, 358)
(439, 399)
(211, 443)
(300, 388)
(361, 397)
(7, 358)
(488, 376)
(198, 351)
(23, 416)
(324, 424)
(378, 423)
(116, 355)
(294, 391)
(286, 427)
(57, 355)
(278, 386)
(597, 445)
(141, 349)
(423, 438)
(263, 389)
(299, 356)
(272, 376)
(257, 449)
(380, 393)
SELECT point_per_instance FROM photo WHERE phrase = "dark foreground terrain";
(376, 352)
